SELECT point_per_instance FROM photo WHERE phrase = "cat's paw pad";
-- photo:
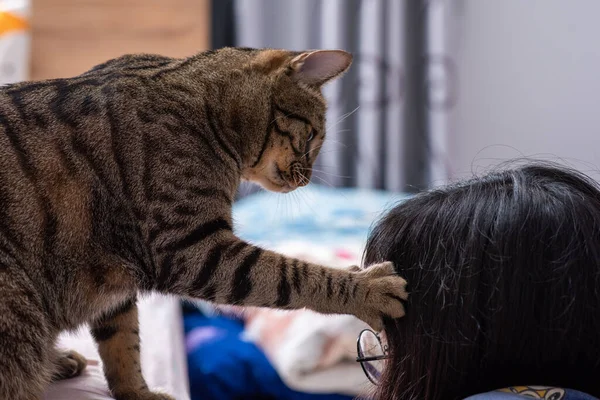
(383, 293)
(143, 395)
(69, 364)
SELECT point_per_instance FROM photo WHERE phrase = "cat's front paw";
(381, 294)
(143, 395)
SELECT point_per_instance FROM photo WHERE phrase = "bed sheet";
(162, 355)
(315, 214)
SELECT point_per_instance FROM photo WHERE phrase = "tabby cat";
(120, 181)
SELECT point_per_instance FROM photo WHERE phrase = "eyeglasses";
(371, 354)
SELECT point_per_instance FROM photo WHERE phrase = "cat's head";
(281, 111)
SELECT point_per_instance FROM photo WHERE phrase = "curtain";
(381, 112)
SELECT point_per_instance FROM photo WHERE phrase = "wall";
(70, 36)
(528, 82)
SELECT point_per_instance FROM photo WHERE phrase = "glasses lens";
(369, 347)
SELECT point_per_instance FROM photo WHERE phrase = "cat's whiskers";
(297, 197)
(323, 145)
(326, 166)
(324, 181)
(327, 183)
(325, 172)
(331, 186)
(311, 150)
(339, 131)
(343, 117)
(331, 174)
(304, 179)
(342, 144)
(303, 196)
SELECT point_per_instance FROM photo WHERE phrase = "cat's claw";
(381, 294)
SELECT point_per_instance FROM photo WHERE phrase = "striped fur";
(120, 181)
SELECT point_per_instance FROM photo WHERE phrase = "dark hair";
(504, 279)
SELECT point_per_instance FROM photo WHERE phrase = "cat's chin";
(279, 186)
(285, 189)
(274, 187)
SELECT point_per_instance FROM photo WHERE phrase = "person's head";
(504, 279)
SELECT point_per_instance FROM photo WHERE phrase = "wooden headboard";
(70, 36)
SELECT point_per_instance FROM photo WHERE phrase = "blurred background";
(440, 89)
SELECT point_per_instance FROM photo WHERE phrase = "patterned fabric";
(317, 214)
(533, 392)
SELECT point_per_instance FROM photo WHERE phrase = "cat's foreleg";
(117, 335)
(224, 269)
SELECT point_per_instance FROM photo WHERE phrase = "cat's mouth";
(282, 182)
(278, 179)
(270, 177)
(280, 174)
(290, 179)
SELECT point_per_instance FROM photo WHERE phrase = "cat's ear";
(318, 67)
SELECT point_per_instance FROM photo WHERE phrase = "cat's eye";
(311, 136)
